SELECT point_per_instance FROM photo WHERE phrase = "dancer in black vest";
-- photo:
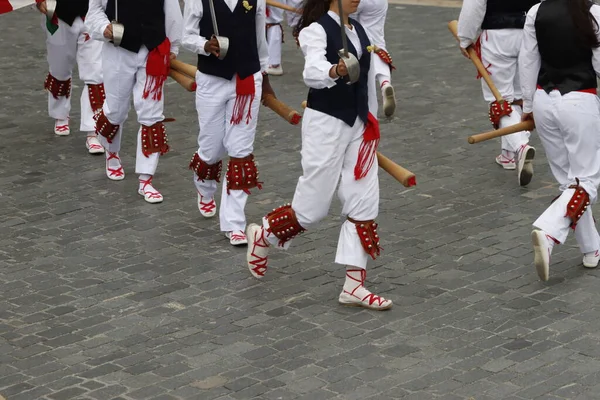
(140, 65)
(67, 43)
(559, 62)
(227, 99)
(340, 135)
(495, 27)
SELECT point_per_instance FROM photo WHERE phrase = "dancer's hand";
(41, 6)
(108, 32)
(172, 56)
(527, 117)
(338, 70)
(465, 52)
(212, 46)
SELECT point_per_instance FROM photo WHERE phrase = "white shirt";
(96, 22)
(470, 20)
(313, 42)
(530, 59)
(192, 41)
(371, 15)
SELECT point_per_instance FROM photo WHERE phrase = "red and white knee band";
(154, 139)
(97, 97)
(284, 224)
(367, 232)
(578, 204)
(105, 128)
(57, 88)
(242, 174)
(204, 171)
(497, 111)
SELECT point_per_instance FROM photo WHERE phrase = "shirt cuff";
(464, 43)
(527, 106)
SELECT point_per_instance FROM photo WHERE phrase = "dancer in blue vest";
(138, 66)
(340, 135)
(495, 27)
(227, 99)
(67, 43)
(559, 62)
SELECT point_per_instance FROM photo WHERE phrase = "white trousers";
(68, 45)
(124, 74)
(292, 17)
(500, 50)
(329, 154)
(215, 98)
(371, 14)
(569, 128)
(274, 35)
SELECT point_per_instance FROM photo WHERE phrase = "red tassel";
(368, 148)
(245, 91)
(157, 70)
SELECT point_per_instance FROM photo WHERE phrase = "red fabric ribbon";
(368, 148)
(157, 70)
(245, 92)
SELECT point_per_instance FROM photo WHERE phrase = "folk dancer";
(340, 135)
(274, 39)
(495, 27)
(227, 99)
(139, 65)
(68, 42)
(559, 63)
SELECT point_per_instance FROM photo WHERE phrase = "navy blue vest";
(566, 61)
(144, 22)
(68, 10)
(506, 14)
(239, 26)
(343, 101)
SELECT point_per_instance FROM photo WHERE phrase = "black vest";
(566, 61)
(68, 10)
(144, 22)
(239, 27)
(343, 101)
(506, 14)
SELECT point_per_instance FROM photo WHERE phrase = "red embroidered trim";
(209, 172)
(58, 88)
(284, 224)
(385, 56)
(578, 204)
(367, 232)
(105, 128)
(154, 139)
(497, 111)
(242, 174)
(97, 97)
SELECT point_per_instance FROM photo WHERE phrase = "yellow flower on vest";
(246, 5)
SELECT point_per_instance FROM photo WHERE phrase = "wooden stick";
(188, 83)
(401, 174)
(521, 126)
(453, 27)
(281, 109)
(277, 4)
(186, 69)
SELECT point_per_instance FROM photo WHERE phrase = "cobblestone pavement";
(103, 296)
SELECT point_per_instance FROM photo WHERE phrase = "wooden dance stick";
(184, 68)
(277, 4)
(401, 174)
(281, 109)
(453, 26)
(521, 126)
(188, 83)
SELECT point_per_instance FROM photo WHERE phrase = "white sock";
(113, 162)
(145, 180)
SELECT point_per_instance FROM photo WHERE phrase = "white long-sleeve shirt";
(313, 42)
(96, 21)
(371, 15)
(192, 41)
(470, 19)
(530, 60)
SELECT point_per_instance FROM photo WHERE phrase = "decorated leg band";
(97, 97)
(58, 88)
(154, 139)
(578, 204)
(384, 55)
(105, 128)
(284, 224)
(499, 110)
(242, 174)
(272, 25)
(367, 232)
(206, 172)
